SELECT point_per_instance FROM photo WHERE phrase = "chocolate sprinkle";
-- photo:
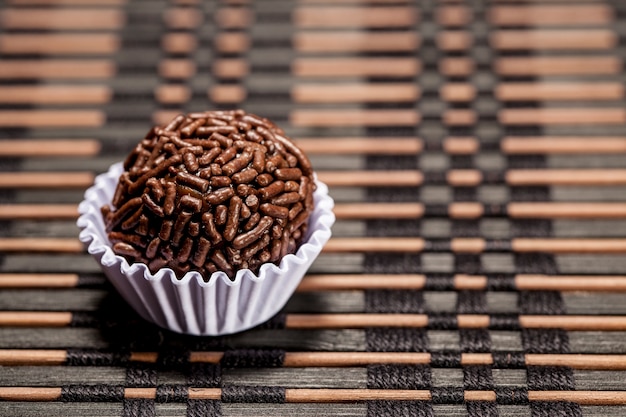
(219, 190)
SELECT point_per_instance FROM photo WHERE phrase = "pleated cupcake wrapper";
(190, 305)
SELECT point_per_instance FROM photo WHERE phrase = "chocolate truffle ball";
(213, 191)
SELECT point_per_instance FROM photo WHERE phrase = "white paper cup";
(190, 305)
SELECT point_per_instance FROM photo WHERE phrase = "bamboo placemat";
(476, 151)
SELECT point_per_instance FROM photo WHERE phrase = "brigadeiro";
(210, 223)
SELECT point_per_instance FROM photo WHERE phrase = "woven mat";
(476, 152)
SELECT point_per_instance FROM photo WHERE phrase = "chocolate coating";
(212, 191)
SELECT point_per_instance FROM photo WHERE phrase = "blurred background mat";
(476, 151)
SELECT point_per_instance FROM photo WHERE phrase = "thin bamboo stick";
(70, 19)
(55, 94)
(51, 118)
(51, 44)
(548, 15)
(553, 39)
(514, 177)
(562, 116)
(338, 282)
(355, 67)
(49, 357)
(40, 244)
(65, 2)
(332, 395)
(46, 179)
(355, 17)
(350, 117)
(354, 92)
(357, 41)
(464, 145)
(476, 245)
(38, 211)
(364, 320)
(56, 68)
(559, 91)
(371, 244)
(18, 148)
(558, 65)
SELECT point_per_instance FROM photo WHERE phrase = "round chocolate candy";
(213, 191)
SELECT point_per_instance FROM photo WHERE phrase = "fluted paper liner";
(190, 305)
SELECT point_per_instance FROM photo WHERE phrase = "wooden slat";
(454, 40)
(558, 65)
(543, 39)
(234, 17)
(456, 66)
(562, 116)
(46, 179)
(453, 15)
(70, 19)
(338, 282)
(475, 245)
(178, 43)
(341, 146)
(180, 18)
(355, 92)
(56, 68)
(232, 42)
(65, 2)
(539, 15)
(83, 44)
(355, 67)
(333, 395)
(47, 357)
(230, 68)
(51, 118)
(354, 17)
(17, 148)
(177, 68)
(38, 280)
(363, 320)
(40, 244)
(172, 94)
(457, 92)
(522, 177)
(38, 211)
(228, 93)
(329, 41)
(349, 117)
(55, 94)
(559, 91)
(562, 145)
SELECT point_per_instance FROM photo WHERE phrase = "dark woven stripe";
(495, 210)
(87, 357)
(394, 301)
(504, 360)
(471, 302)
(92, 393)
(392, 263)
(498, 245)
(435, 210)
(504, 322)
(169, 393)
(253, 358)
(249, 394)
(550, 378)
(541, 302)
(84, 319)
(393, 339)
(474, 340)
(177, 359)
(138, 407)
(91, 281)
(550, 409)
(439, 282)
(398, 377)
(482, 409)
(445, 359)
(204, 375)
(478, 377)
(442, 321)
(501, 283)
(510, 396)
(545, 341)
(467, 263)
(204, 408)
(447, 395)
(141, 375)
(399, 409)
(437, 245)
